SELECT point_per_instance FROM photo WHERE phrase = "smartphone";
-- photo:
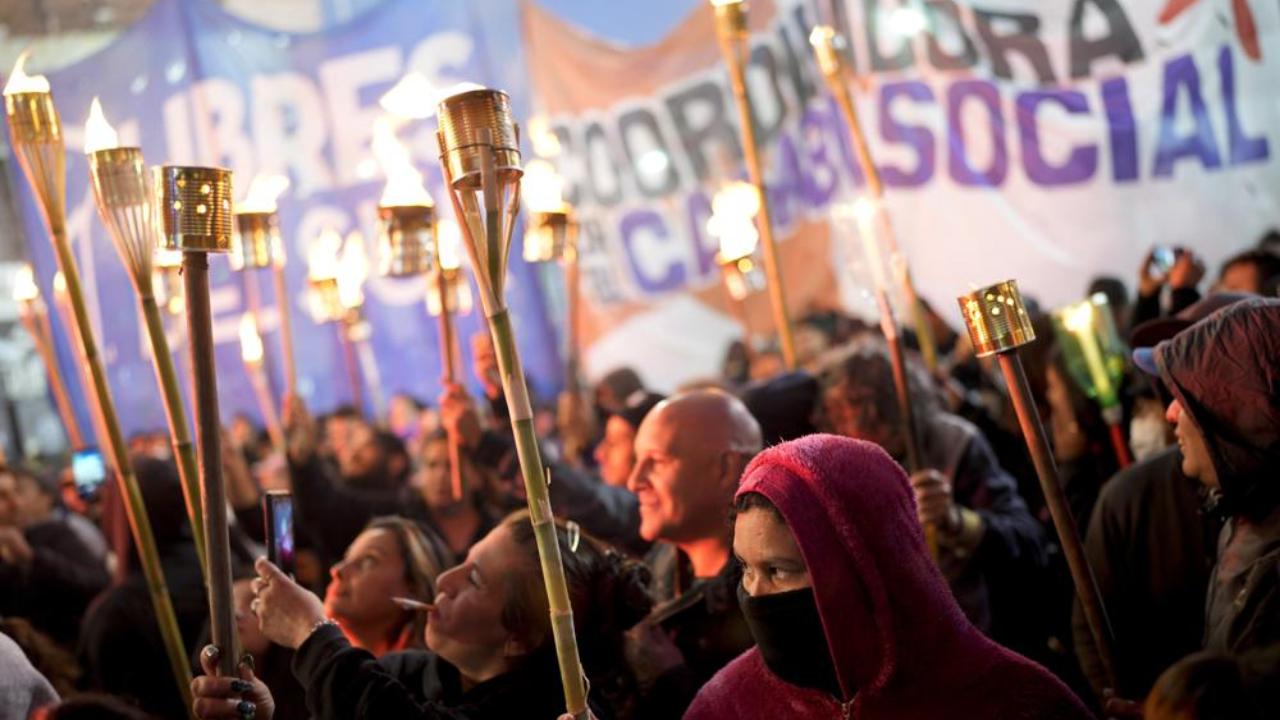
(89, 472)
(277, 511)
(1163, 257)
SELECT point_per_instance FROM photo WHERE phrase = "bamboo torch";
(195, 211)
(324, 296)
(35, 318)
(829, 45)
(552, 236)
(251, 352)
(1095, 359)
(480, 154)
(865, 212)
(257, 244)
(449, 294)
(353, 270)
(127, 206)
(36, 137)
(731, 29)
(998, 325)
(408, 237)
(733, 209)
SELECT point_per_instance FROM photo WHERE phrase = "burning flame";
(457, 89)
(545, 142)
(250, 341)
(1078, 318)
(264, 190)
(411, 98)
(733, 211)
(21, 82)
(542, 188)
(404, 182)
(24, 284)
(168, 258)
(98, 133)
(449, 244)
(322, 257)
(353, 270)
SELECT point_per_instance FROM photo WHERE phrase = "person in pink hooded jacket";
(851, 617)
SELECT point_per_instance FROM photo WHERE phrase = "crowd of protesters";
(747, 546)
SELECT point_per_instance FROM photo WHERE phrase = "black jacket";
(1225, 372)
(705, 622)
(346, 683)
(59, 583)
(1151, 549)
(990, 582)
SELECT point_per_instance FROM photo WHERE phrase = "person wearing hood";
(1151, 549)
(1224, 376)
(851, 616)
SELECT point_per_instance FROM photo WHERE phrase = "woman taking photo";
(850, 615)
(491, 653)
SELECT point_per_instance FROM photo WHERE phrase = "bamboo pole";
(36, 134)
(36, 322)
(731, 29)
(448, 367)
(825, 41)
(474, 126)
(286, 328)
(125, 200)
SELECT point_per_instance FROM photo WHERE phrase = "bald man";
(691, 450)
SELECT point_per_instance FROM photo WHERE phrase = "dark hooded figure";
(851, 617)
(1224, 375)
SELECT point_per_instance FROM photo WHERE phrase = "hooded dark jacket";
(1225, 372)
(900, 645)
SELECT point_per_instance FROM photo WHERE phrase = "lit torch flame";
(353, 270)
(733, 211)
(250, 341)
(449, 244)
(545, 142)
(264, 190)
(24, 284)
(98, 133)
(21, 82)
(404, 183)
(1078, 318)
(322, 256)
(541, 188)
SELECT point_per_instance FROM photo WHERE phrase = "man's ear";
(731, 466)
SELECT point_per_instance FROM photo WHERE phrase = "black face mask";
(790, 637)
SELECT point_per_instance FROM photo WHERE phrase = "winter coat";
(900, 645)
(1225, 372)
(989, 580)
(1151, 550)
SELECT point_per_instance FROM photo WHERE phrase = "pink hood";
(901, 645)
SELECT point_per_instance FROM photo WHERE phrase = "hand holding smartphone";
(277, 511)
